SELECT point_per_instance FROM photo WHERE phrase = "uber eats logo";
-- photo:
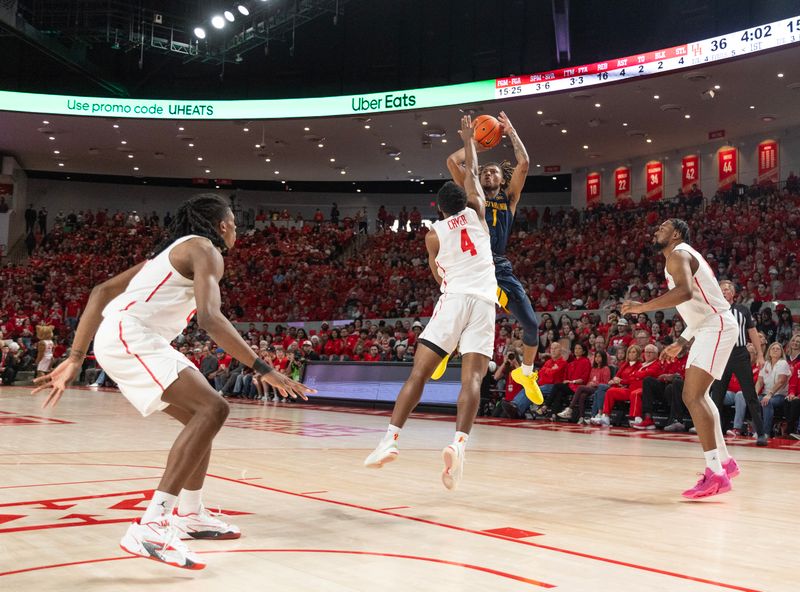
(388, 101)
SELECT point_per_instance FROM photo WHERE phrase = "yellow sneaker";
(437, 374)
(532, 390)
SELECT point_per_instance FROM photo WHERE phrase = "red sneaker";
(731, 468)
(709, 484)
(646, 424)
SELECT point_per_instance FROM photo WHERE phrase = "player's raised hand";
(467, 131)
(505, 122)
(285, 386)
(57, 381)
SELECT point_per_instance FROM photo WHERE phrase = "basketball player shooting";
(502, 185)
(133, 317)
(460, 258)
(710, 334)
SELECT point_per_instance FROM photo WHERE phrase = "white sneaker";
(453, 457)
(95, 384)
(204, 525)
(581, 421)
(566, 414)
(604, 421)
(159, 541)
(596, 419)
(385, 452)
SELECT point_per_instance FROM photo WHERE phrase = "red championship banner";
(622, 183)
(727, 158)
(690, 172)
(768, 162)
(593, 196)
(654, 171)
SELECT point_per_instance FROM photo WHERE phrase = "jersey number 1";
(466, 243)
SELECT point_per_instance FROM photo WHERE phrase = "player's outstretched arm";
(475, 197)
(68, 370)
(207, 268)
(517, 182)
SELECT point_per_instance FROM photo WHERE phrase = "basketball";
(487, 131)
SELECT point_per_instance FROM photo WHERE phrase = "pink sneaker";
(731, 468)
(709, 484)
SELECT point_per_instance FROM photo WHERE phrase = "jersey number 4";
(466, 243)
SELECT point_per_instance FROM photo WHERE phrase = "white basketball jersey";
(158, 296)
(707, 299)
(465, 260)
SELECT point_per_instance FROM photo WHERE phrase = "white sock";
(719, 438)
(190, 501)
(392, 433)
(460, 439)
(527, 369)
(713, 462)
(160, 507)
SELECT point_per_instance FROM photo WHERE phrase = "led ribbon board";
(741, 43)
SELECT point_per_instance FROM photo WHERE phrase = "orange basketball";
(487, 131)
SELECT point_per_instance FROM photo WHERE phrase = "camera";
(512, 356)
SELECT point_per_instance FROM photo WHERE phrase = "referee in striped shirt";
(739, 362)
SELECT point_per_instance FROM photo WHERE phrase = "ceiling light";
(687, 116)
(752, 106)
(277, 172)
(597, 105)
(180, 129)
(56, 151)
(444, 140)
(208, 170)
(218, 21)
(358, 191)
(135, 168)
(409, 171)
(245, 129)
(649, 140)
(563, 131)
(115, 126)
(307, 129)
(60, 164)
(51, 138)
(258, 145)
(199, 158)
(366, 126)
(124, 142)
(383, 143)
(538, 166)
(624, 124)
(539, 112)
(585, 147)
(200, 32)
(656, 97)
(780, 74)
(243, 10)
(554, 178)
(130, 155)
(267, 160)
(397, 158)
(229, 16)
(333, 160)
(191, 145)
(716, 87)
(343, 172)
(424, 123)
(320, 145)
(46, 122)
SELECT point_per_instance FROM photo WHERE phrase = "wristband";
(261, 367)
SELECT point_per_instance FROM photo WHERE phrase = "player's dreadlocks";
(199, 215)
(506, 170)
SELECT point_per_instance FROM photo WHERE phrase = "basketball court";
(541, 505)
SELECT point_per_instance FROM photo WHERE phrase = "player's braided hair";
(199, 215)
(506, 170)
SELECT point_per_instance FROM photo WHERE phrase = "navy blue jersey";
(500, 220)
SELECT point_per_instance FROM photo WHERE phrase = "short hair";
(452, 198)
(681, 227)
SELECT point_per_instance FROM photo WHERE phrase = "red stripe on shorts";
(719, 336)
(128, 351)
(169, 275)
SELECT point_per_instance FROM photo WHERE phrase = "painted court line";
(82, 482)
(484, 533)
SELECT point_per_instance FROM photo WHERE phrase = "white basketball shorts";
(141, 362)
(463, 321)
(713, 343)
